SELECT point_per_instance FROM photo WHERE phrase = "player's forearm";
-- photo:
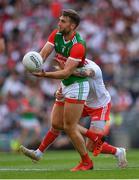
(44, 55)
(62, 74)
(83, 72)
(46, 51)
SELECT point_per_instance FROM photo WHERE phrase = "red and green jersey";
(74, 49)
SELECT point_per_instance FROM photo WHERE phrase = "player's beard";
(64, 32)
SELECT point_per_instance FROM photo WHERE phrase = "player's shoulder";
(78, 48)
(79, 39)
(77, 34)
(91, 64)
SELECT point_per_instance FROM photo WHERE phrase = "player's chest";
(62, 47)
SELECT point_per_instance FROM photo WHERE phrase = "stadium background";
(111, 30)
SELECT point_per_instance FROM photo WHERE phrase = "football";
(32, 61)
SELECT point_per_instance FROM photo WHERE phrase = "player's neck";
(69, 36)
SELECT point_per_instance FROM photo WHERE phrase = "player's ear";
(73, 26)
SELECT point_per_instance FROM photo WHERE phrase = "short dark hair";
(72, 14)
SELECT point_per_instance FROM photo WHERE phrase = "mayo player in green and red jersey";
(70, 51)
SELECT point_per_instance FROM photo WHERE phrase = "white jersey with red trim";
(98, 95)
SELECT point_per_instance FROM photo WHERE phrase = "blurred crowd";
(111, 30)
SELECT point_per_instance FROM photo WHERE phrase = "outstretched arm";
(61, 74)
(77, 53)
(49, 46)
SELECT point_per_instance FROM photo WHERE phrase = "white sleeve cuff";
(74, 59)
(50, 43)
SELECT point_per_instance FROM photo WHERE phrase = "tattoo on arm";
(83, 72)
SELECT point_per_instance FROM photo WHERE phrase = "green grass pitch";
(56, 165)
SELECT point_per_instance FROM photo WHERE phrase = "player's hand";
(89, 72)
(39, 74)
(58, 94)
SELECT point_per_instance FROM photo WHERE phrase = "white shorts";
(74, 93)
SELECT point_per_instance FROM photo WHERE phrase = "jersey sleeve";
(77, 52)
(51, 37)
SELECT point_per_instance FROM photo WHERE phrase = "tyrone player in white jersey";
(97, 106)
